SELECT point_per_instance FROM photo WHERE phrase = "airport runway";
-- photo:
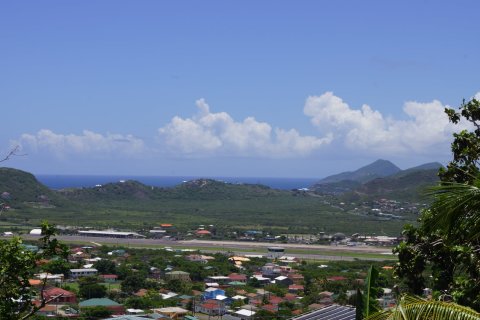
(241, 246)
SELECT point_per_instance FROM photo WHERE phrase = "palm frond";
(456, 207)
(414, 308)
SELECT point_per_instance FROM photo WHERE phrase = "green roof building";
(111, 305)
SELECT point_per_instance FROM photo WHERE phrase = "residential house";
(245, 314)
(114, 307)
(203, 233)
(287, 260)
(51, 278)
(238, 261)
(109, 278)
(283, 281)
(239, 297)
(261, 279)
(297, 278)
(59, 296)
(221, 280)
(168, 295)
(212, 293)
(271, 270)
(237, 277)
(211, 307)
(172, 312)
(199, 258)
(295, 288)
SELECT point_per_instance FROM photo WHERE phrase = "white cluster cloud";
(218, 133)
(425, 130)
(427, 126)
(88, 142)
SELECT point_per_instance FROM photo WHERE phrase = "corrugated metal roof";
(333, 312)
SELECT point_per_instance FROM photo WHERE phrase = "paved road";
(243, 247)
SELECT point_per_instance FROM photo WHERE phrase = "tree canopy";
(17, 265)
(446, 241)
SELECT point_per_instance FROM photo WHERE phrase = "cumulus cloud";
(87, 143)
(218, 133)
(426, 128)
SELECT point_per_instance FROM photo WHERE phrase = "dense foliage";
(17, 265)
(446, 241)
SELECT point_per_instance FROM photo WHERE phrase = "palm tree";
(456, 210)
(415, 308)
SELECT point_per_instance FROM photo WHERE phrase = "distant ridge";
(204, 189)
(426, 166)
(20, 189)
(366, 182)
(377, 169)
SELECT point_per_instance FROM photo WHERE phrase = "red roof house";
(203, 233)
(275, 300)
(238, 277)
(59, 296)
(295, 288)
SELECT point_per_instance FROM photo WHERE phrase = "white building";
(275, 252)
(110, 234)
(77, 273)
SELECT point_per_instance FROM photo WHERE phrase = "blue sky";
(224, 88)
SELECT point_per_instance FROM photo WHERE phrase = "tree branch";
(12, 153)
(43, 300)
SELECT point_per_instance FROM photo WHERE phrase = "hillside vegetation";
(377, 169)
(133, 205)
(402, 185)
(20, 188)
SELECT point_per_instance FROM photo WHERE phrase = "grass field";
(281, 214)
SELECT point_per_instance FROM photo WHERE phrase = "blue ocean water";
(79, 181)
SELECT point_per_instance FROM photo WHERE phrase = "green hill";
(408, 185)
(19, 189)
(128, 190)
(377, 169)
(405, 185)
(200, 189)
